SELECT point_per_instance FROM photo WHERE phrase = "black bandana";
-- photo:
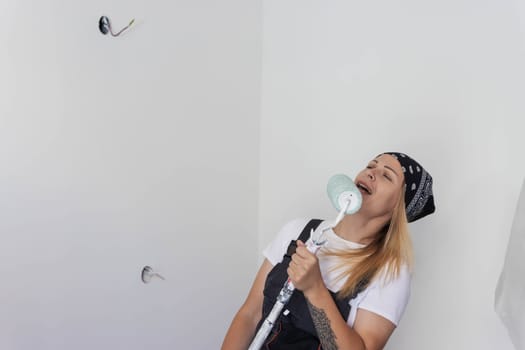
(419, 199)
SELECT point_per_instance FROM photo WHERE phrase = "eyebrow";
(386, 166)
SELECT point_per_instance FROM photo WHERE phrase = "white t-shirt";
(387, 299)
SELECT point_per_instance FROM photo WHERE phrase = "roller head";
(340, 189)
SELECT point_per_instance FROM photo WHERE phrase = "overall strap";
(305, 234)
(312, 225)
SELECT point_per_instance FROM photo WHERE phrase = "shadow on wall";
(510, 292)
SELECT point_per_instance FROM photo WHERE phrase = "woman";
(352, 294)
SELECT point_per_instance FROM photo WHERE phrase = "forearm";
(240, 333)
(333, 331)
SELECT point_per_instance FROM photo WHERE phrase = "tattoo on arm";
(322, 325)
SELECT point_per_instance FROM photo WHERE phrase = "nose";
(371, 175)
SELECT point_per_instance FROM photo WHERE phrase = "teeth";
(360, 185)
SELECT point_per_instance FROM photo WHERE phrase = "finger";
(305, 262)
(298, 260)
(294, 267)
(292, 264)
(303, 252)
(291, 273)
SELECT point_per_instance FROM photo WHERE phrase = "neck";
(360, 229)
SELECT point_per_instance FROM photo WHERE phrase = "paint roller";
(346, 199)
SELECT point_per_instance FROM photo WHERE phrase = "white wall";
(122, 152)
(108, 145)
(442, 81)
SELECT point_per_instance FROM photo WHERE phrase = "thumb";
(300, 243)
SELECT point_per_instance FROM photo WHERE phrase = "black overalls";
(296, 330)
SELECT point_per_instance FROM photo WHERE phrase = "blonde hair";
(388, 252)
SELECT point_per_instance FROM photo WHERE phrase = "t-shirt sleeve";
(389, 299)
(275, 250)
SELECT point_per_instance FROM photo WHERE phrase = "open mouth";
(363, 188)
